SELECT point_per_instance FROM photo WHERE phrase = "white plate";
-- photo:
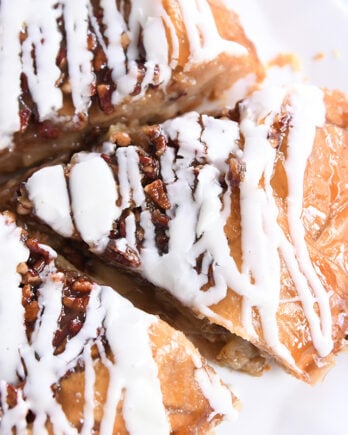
(276, 403)
(305, 27)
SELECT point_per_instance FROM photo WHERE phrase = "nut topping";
(157, 193)
(120, 138)
(128, 256)
(149, 166)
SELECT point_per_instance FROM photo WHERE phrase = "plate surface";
(276, 403)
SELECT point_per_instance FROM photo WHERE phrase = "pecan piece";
(140, 77)
(237, 171)
(32, 278)
(104, 95)
(31, 311)
(22, 268)
(24, 117)
(160, 219)
(157, 193)
(75, 304)
(48, 130)
(125, 40)
(100, 59)
(120, 138)
(74, 326)
(12, 395)
(149, 166)
(279, 129)
(36, 249)
(124, 255)
(161, 145)
(27, 293)
(156, 136)
(83, 286)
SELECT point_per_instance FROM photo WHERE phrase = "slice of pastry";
(75, 357)
(244, 222)
(70, 69)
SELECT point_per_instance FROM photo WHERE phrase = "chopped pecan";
(161, 145)
(140, 77)
(125, 40)
(237, 171)
(149, 166)
(100, 60)
(157, 193)
(233, 114)
(157, 138)
(122, 227)
(39, 265)
(27, 293)
(74, 326)
(161, 241)
(156, 77)
(24, 206)
(104, 93)
(160, 219)
(75, 304)
(31, 311)
(279, 129)
(32, 278)
(24, 117)
(22, 268)
(120, 138)
(83, 286)
(62, 57)
(48, 130)
(91, 41)
(126, 256)
(36, 249)
(12, 395)
(151, 131)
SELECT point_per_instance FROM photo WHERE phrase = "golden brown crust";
(326, 238)
(188, 409)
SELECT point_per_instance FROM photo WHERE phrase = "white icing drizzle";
(10, 50)
(129, 177)
(215, 392)
(142, 416)
(205, 41)
(93, 199)
(300, 139)
(198, 215)
(76, 17)
(51, 202)
(12, 253)
(308, 112)
(40, 18)
(147, 18)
